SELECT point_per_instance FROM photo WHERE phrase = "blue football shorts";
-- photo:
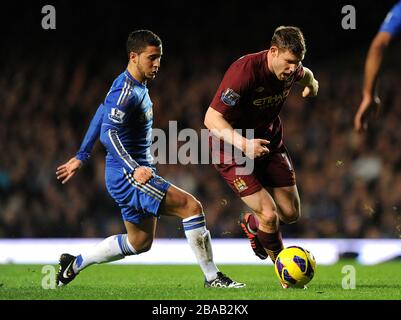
(136, 201)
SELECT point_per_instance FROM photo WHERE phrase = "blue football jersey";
(124, 124)
(392, 22)
(126, 130)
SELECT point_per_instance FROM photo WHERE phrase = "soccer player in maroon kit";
(251, 96)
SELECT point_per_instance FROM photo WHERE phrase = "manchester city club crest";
(240, 184)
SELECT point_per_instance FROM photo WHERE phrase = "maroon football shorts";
(274, 170)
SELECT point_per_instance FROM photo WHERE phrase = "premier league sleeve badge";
(229, 97)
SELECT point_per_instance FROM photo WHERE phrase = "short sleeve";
(233, 86)
(392, 22)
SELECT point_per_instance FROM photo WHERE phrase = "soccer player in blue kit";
(124, 123)
(390, 28)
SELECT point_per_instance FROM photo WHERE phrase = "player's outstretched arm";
(372, 66)
(91, 136)
(369, 107)
(67, 170)
(310, 83)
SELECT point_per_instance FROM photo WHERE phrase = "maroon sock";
(253, 222)
(272, 243)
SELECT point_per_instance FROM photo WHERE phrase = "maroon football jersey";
(250, 96)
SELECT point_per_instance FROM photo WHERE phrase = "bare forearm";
(219, 127)
(373, 61)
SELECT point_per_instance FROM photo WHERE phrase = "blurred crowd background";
(51, 83)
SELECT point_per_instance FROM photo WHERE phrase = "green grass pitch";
(185, 282)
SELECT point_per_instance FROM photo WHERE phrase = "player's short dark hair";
(289, 38)
(138, 40)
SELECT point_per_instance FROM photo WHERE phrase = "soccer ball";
(295, 267)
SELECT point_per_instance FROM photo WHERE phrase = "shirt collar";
(129, 75)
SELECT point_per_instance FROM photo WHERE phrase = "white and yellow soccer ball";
(295, 267)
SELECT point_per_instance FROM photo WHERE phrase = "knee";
(192, 205)
(268, 217)
(291, 216)
(142, 246)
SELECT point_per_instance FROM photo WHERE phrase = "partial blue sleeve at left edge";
(91, 136)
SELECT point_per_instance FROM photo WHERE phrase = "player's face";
(284, 63)
(148, 62)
